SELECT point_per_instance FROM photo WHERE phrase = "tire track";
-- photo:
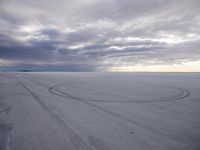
(53, 90)
(181, 93)
(74, 138)
(57, 92)
(5, 129)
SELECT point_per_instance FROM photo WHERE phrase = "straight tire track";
(74, 138)
(57, 92)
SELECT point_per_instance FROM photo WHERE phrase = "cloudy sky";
(100, 35)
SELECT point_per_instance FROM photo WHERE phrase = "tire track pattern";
(180, 94)
(55, 91)
(5, 129)
(74, 138)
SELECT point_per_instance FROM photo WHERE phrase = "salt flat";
(99, 111)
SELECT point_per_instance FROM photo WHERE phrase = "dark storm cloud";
(95, 34)
(31, 67)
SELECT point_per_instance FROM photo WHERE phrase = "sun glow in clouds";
(184, 67)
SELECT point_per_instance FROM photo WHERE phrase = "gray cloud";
(98, 34)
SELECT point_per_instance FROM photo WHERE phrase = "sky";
(100, 35)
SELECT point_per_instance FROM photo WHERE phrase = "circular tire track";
(55, 91)
(180, 94)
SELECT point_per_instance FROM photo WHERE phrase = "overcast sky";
(100, 35)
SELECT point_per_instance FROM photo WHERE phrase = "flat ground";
(99, 111)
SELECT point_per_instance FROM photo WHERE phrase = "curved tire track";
(57, 92)
(53, 90)
(181, 93)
